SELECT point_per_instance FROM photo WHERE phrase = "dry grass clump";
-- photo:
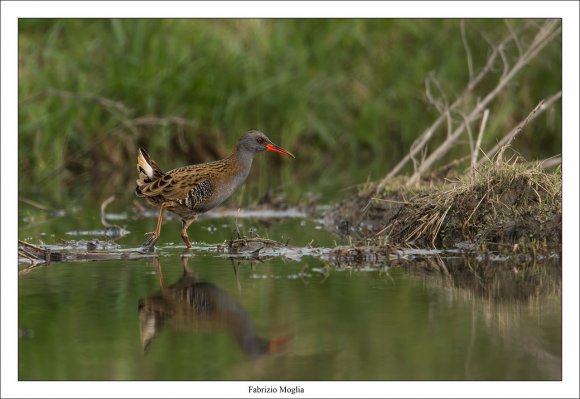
(508, 204)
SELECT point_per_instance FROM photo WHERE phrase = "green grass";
(347, 96)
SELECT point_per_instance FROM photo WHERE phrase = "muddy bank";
(512, 208)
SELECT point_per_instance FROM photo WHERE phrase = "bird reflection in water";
(194, 305)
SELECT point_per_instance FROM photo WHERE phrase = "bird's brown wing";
(189, 186)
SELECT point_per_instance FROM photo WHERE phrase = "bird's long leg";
(186, 223)
(155, 234)
(159, 272)
(186, 269)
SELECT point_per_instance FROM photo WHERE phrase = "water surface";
(274, 318)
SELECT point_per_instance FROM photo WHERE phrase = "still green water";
(89, 320)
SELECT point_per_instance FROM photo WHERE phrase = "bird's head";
(255, 141)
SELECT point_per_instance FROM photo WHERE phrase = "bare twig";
(469, 132)
(103, 208)
(550, 162)
(441, 91)
(467, 50)
(508, 138)
(477, 148)
(439, 103)
(442, 170)
(390, 201)
(506, 64)
(449, 122)
(514, 36)
(34, 204)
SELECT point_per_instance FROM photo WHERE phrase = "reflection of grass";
(497, 280)
(520, 304)
(346, 91)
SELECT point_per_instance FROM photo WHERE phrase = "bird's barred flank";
(197, 195)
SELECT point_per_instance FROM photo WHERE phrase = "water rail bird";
(191, 190)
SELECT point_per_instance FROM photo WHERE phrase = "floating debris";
(262, 248)
(109, 231)
(73, 251)
(88, 245)
(363, 255)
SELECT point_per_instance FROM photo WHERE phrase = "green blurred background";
(347, 96)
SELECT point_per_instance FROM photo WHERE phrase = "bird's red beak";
(277, 344)
(274, 148)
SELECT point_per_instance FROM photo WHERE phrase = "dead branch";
(424, 138)
(103, 210)
(545, 35)
(515, 36)
(476, 150)
(550, 162)
(508, 138)
(467, 50)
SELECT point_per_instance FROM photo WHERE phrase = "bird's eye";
(261, 140)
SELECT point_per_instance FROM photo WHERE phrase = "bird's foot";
(186, 240)
(150, 243)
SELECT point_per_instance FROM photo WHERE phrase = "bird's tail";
(148, 169)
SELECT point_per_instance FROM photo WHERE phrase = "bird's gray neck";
(243, 158)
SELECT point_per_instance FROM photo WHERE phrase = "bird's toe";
(150, 243)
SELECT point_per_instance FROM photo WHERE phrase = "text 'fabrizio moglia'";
(281, 389)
